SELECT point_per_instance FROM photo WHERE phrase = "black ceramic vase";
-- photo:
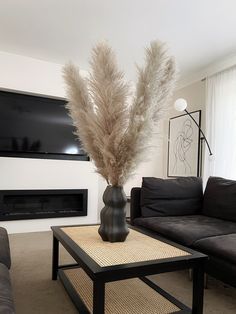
(113, 226)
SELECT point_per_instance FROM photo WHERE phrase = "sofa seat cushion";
(223, 246)
(6, 299)
(171, 197)
(4, 248)
(187, 229)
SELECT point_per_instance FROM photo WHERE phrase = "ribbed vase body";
(113, 226)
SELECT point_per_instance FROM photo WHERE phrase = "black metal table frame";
(101, 275)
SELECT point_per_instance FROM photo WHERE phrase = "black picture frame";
(179, 145)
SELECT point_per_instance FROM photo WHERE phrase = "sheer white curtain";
(221, 125)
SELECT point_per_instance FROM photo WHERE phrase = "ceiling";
(198, 32)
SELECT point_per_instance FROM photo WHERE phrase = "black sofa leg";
(190, 273)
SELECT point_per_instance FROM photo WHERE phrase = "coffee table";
(111, 277)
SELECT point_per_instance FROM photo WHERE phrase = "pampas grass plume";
(114, 132)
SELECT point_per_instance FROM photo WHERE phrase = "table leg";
(198, 289)
(98, 297)
(55, 258)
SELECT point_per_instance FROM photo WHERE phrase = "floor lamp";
(181, 105)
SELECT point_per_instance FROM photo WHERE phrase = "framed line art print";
(184, 145)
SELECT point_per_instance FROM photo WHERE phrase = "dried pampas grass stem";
(113, 132)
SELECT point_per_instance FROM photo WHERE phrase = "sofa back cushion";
(171, 197)
(220, 198)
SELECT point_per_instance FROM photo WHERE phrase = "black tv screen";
(32, 126)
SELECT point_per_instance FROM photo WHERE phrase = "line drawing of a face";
(182, 144)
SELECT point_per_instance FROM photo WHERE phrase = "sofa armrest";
(135, 209)
(5, 257)
(6, 297)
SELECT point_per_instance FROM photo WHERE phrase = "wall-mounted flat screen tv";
(38, 127)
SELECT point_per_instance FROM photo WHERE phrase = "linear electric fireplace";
(36, 204)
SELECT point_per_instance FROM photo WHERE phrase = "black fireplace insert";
(36, 204)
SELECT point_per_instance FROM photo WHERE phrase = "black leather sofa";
(179, 210)
(6, 299)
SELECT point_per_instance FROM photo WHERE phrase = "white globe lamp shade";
(180, 104)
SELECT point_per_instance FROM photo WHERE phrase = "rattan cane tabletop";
(138, 247)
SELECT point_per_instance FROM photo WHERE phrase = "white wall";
(195, 96)
(157, 164)
(38, 77)
(27, 174)
(153, 164)
(30, 75)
